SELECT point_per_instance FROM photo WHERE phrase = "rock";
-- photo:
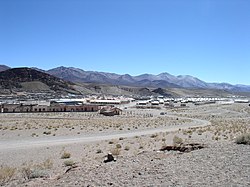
(182, 148)
(109, 158)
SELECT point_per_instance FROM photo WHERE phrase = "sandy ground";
(32, 145)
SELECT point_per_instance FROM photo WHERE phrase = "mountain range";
(163, 80)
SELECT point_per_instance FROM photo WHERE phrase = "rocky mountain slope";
(163, 80)
(33, 80)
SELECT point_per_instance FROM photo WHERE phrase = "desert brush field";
(205, 145)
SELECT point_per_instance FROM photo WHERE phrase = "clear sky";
(208, 39)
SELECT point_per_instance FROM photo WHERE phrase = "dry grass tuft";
(69, 163)
(30, 171)
(65, 155)
(177, 140)
(116, 151)
(243, 139)
(6, 174)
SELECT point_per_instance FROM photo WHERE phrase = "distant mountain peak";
(165, 73)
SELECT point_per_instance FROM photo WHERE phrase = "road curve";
(6, 145)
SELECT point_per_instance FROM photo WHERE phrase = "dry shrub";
(38, 173)
(111, 142)
(116, 151)
(153, 135)
(127, 148)
(26, 172)
(31, 170)
(65, 155)
(6, 174)
(177, 140)
(69, 163)
(243, 139)
(118, 146)
(99, 151)
(47, 164)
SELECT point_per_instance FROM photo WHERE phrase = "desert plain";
(69, 149)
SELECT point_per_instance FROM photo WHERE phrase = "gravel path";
(64, 140)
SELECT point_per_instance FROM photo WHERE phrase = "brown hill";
(33, 80)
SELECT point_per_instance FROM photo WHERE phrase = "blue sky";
(209, 39)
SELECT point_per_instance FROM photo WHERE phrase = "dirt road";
(8, 145)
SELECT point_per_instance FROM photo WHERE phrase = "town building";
(110, 111)
(52, 107)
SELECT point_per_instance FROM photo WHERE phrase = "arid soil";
(69, 149)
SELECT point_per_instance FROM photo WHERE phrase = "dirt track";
(64, 140)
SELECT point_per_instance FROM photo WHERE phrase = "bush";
(69, 163)
(141, 147)
(65, 155)
(47, 164)
(6, 174)
(177, 140)
(116, 151)
(126, 148)
(118, 146)
(38, 173)
(111, 142)
(47, 132)
(99, 151)
(153, 135)
(243, 139)
(40, 170)
(26, 172)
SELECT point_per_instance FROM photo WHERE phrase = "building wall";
(9, 108)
